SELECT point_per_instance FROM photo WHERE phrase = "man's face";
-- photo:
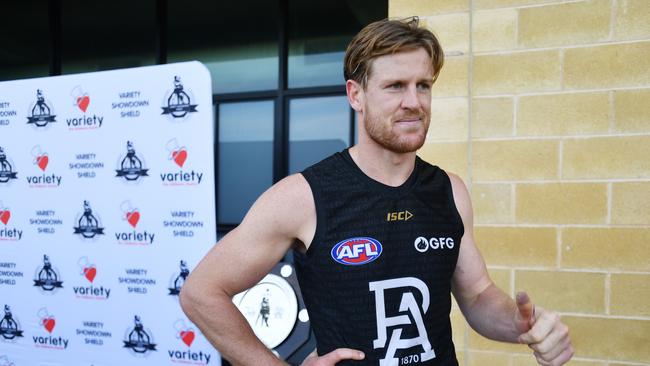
(396, 104)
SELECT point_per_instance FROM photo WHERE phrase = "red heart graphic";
(42, 161)
(179, 157)
(187, 337)
(4, 216)
(133, 217)
(82, 102)
(49, 324)
(90, 273)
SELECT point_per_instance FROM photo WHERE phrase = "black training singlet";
(377, 275)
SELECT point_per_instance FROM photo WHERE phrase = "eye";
(424, 87)
(396, 86)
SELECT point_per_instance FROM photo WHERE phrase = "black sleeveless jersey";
(377, 275)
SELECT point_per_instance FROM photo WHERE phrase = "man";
(381, 237)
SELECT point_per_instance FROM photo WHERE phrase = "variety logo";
(9, 326)
(178, 280)
(179, 103)
(356, 251)
(81, 100)
(47, 277)
(91, 291)
(87, 224)
(41, 160)
(41, 113)
(138, 339)
(178, 155)
(423, 244)
(132, 217)
(187, 335)
(7, 233)
(49, 322)
(7, 172)
(131, 167)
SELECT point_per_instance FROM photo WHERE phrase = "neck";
(385, 166)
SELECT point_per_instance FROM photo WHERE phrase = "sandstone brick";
(476, 342)
(631, 203)
(458, 326)
(501, 278)
(632, 110)
(488, 358)
(452, 81)
(630, 294)
(516, 72)
(492, 203)
(625, 249)
(515, 160)
(563, 114)
(449, 119)
(494, 30)
(607, 157)
(561, 203)
(517, 246)
(632, 19)
(613, 339)
(492, 117)
(574, 292)
(564, 24)
(491, 4)
(607, 66)
(529, 360)
(452, 31)
(405, 8)
(450, 156)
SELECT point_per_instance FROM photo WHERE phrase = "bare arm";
(242, 258)
(283, 216)
(490, 311)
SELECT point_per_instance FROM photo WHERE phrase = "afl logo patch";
(356, 251)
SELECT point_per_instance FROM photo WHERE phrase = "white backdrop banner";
(106, 204)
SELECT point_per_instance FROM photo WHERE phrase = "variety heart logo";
(49, 324)
(187, 337)
(179, 157)
(133, 217)
(4, 216)
(82, 102)
(42, 161)
(90, 273)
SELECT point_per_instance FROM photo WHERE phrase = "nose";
(410, 98)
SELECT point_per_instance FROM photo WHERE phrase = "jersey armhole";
(452, 201)
(320, 214)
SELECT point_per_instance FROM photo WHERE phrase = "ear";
(355, 95)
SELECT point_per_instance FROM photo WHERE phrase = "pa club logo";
(138, 339)
(41, 113)
(179, 103)
(131, 167)
(7, 172)
(9, 327)
(178, 280)
(87, 224)
(47, 277)
(356, 251)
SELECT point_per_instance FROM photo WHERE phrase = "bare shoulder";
(461, 197)
(287, 208)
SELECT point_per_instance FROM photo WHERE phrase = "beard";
(391, 138)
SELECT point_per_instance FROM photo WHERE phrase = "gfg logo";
(423, 244)
(356, 251)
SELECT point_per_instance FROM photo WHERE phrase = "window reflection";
(245, 157)
(318, 127)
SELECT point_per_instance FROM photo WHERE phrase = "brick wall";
(543, 108)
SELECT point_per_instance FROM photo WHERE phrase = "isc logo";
(356, 251)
